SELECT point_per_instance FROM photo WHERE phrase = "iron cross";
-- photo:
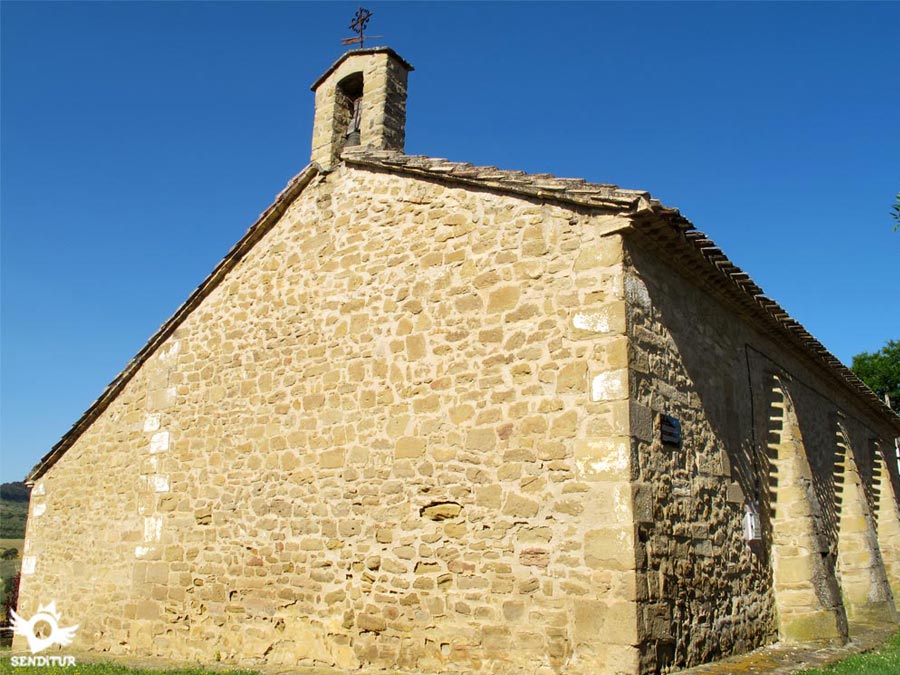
(358, 25)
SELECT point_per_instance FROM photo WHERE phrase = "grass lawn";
(105, 669)
(884, 661)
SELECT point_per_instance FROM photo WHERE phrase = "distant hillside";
(15, 492)
(13, 510)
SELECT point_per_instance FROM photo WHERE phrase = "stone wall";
(394, 436)
(762, 428)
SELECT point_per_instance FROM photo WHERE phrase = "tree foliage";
(881, 371)
(15, 492)
(13, 510)
(10, 597)
(895, 213)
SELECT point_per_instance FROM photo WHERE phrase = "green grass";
(884, 661)
(105, 669)
(12, 519)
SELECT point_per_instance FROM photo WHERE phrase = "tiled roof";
(542, 186)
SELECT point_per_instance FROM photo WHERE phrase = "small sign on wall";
(670, 430)
(752, 525)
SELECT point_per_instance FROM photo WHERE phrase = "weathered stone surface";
(371, 622)
(350, 439)
(604, 253)
(442, 511)
(409, 446)
(503, 299)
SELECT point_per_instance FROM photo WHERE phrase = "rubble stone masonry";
(396, 435)
(763, 430)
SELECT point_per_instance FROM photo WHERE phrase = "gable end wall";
(380, 441)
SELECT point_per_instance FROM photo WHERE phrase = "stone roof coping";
(360, 52)
(537, 185)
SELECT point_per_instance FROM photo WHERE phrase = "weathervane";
(358, 25)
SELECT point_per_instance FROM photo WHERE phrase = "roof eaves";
(743, 291)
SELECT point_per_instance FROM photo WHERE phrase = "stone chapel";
(433, 417)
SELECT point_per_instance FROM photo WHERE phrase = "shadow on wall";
(689, 362)
(693, 359)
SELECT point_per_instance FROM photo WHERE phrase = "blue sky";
(140, 140)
